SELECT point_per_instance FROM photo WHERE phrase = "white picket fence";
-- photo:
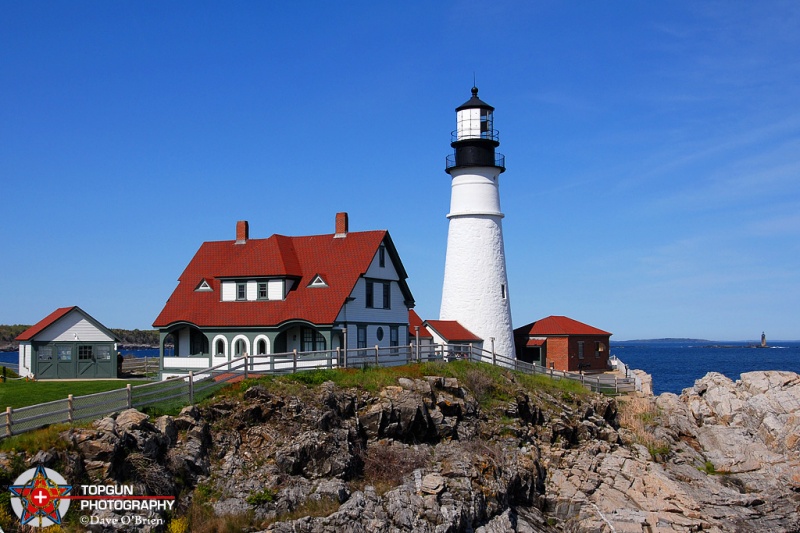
(187, 385)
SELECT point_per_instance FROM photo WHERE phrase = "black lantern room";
(474, 140)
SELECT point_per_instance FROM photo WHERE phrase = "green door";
(87, 368)
(45, 363)
(65, 353)
(106, 363)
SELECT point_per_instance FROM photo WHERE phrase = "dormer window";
(253, 290)
(204, 286)
(317, 281)
(382, 256)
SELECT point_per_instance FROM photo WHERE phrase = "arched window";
(220, 347)
(261, 347)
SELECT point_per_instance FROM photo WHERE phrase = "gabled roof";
(558, 326)
(415, 320)
(55, 316)
(452, 331)
(342, 260)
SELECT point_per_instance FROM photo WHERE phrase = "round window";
(380, 334)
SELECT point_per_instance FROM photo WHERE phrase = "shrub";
(708, 467)
(386, 465)
(178, 525)
(261, 497)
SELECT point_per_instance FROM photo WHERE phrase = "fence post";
(129, 394)
(245, 365)
(70, 409)
(330, 358)
(294, 361)
(377, 360)
(8, 421)
(616, 386)
(191, 387)
(416, 337)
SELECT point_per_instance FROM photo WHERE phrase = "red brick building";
(562, 343)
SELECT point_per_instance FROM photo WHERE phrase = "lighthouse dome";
(474, 102)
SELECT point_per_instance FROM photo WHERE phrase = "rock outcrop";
(436, 455)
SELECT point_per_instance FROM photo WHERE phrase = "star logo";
(40, 497)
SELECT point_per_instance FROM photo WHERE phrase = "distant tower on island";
(763, 340)
(475, 290)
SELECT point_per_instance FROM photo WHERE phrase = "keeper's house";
(275, 295)
(562, 343)
(68, 343)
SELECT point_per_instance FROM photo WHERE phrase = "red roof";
(452, 331)
(40, 326)
(535, 342)
(415, 320)
(558, 325)
(339, 261)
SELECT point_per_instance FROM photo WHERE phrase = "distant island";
(668, 339)
(140, 338)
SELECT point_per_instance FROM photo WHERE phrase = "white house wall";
(70, 328)
(228, 291)
(25, 351)
(252, 290)
(275, 289)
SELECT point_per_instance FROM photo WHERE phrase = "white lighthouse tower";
(475, 291)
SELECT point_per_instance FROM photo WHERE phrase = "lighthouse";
(475, 290)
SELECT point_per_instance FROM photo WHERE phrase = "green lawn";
(21, 393)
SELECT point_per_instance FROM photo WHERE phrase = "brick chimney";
(342, 225)
(242, 231)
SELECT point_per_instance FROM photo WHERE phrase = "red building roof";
(340, 261)
(558, 325)
(40, 326)
(415, 320)
(452, 331)
(31, 333)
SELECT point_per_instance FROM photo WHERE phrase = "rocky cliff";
(441, 453)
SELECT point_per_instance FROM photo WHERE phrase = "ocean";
(674, 365)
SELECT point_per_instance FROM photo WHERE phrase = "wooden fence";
(187, 388)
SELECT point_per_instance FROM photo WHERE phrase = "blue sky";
(652, 149)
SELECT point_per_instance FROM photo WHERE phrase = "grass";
(21, 393)
(40, 439)
(490, 385)
(640, 416)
